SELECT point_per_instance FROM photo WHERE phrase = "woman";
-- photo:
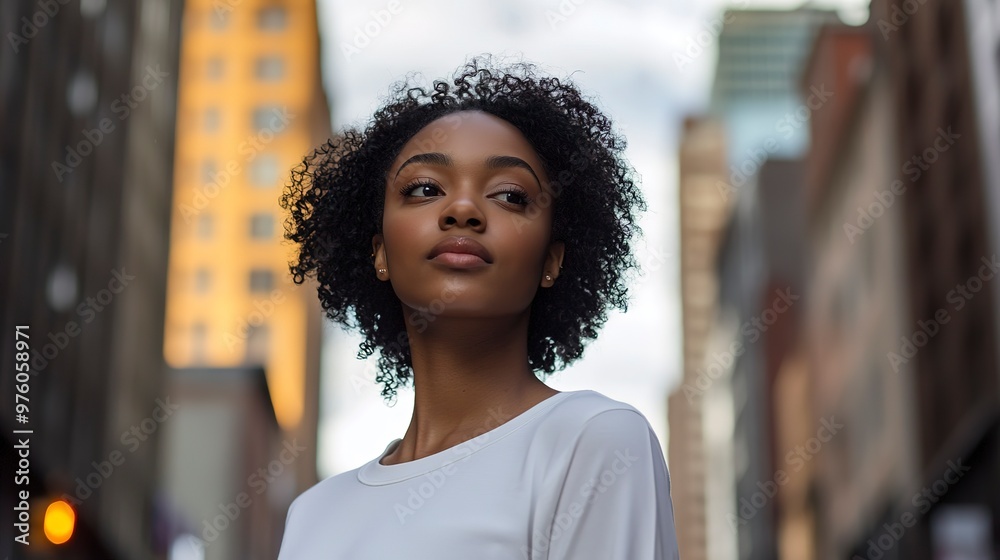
(476, 234)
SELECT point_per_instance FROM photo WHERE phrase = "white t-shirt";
(577, 476)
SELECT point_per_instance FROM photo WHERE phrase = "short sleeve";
(614, 503)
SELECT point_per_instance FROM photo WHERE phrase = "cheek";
(402, 239)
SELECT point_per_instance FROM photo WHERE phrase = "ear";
(378, 256)
(553, 263)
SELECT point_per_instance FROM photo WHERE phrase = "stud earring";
(548, 277)
(381, 271)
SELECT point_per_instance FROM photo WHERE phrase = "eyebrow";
(492, 162)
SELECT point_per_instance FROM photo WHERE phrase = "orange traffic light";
(59, 522)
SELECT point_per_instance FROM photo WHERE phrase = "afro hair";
(336, 195)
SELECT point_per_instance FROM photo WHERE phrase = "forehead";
(471, 133)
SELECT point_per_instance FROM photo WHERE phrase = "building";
(950, 272)
(763, 115)
(88, 95)
(700, 410)
(251, 106)
(224, 486)
(776, 331)
(901, 328)
(983, 24)
(754, 93)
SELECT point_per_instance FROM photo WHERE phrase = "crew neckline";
(374, 473)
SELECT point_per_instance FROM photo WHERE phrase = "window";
(261, 226)
(219, 16)
(261, 280)
(269, 68)
(202, 280)
(208, 171)
(212, 119)
(269, 117)
(199, 337)
(214, 68)
(257, 341)
(264, 171)
(203, 229)
(272, 18)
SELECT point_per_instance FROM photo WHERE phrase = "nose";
(463, 212)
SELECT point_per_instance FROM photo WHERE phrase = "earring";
(381, 271)
(548, 277)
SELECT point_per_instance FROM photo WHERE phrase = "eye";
(514, 195)
(419, 187)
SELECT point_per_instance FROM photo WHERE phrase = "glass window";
(261, 280)
(257, 341)
(212, 119)
(208, 171)
(268, 117)
(214, 68)
(261, 226)
(199, 338)
(202, 280)
(272, 18)
(204, 226)
(269, 68)
(219, 16)
(264, 171)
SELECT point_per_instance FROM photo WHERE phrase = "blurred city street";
(815, 338)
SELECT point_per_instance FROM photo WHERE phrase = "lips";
(461, 245)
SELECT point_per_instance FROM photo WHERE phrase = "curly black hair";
(335, 198)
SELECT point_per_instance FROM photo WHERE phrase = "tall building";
(250, 107)
(225, 489)
(760, 61)
(763, 116)
(982, 20)
(857, 307)
(700, 409)
(88, 96)
(951, 271)
(776, 330)
(902, 322)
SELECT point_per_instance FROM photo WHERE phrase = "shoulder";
(596, 421)
(319, 496)
(593, 411)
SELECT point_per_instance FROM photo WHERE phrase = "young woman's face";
(467, 175)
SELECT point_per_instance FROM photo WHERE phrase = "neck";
(469, 376)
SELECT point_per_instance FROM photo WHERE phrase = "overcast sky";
(641, 61)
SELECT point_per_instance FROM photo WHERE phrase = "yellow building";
(250, 106)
